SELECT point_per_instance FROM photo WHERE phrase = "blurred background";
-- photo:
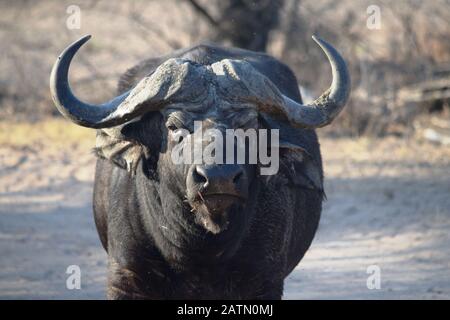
(386, 157)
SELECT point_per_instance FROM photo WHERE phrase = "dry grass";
(389, 157)
(50, 133)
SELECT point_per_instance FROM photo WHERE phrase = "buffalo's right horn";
(150, 94)
(84, 114)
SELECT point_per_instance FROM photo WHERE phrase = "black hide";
(156, 248)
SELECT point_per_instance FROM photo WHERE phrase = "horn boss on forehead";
(250, 85)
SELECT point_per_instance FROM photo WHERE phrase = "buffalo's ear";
(128, 144)
(126, 154)
(296, 162)
(299, 166)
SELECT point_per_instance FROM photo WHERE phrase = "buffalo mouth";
(213, 210)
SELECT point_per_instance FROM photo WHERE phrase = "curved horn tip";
(84, 38)
(314, 37)
(76, 45)
(317, 39)
(325, 108)
(323, 44)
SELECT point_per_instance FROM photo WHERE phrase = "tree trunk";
(243, 23)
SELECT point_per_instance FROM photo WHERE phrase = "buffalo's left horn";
(323, 110)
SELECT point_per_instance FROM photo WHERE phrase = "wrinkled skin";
(162, 245)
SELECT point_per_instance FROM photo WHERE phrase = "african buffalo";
(198, 230)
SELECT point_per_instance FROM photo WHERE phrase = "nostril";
(237, 177)
(199, 175)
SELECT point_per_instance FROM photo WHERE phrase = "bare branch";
(203, 12)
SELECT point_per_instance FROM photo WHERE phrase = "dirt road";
(388, 205)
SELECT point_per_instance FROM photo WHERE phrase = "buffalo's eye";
(172, 127)
(176, 134)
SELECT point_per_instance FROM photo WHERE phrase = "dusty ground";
(388, 205)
